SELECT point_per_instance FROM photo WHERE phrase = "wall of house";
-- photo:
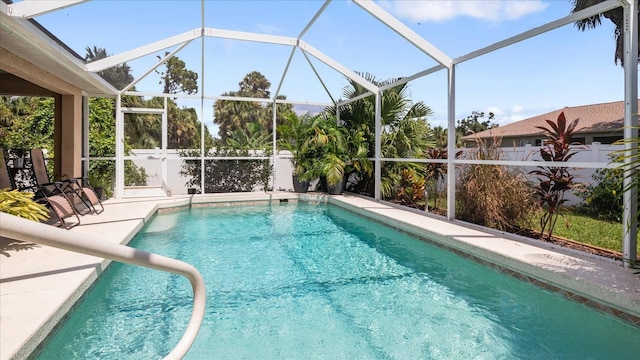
(607, 137)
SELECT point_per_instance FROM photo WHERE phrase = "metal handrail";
(25, 230)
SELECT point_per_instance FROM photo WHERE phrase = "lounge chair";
(59, 205)
(85, 199)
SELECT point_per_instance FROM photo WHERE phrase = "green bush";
(223, 176)
(603, 199)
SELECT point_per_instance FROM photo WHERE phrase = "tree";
(183, 126)
(102, 143)
(617, 18)
(254, 84)
(177, 78)
(28, 122)
(118, 76)
(232, 115)
(473, 123)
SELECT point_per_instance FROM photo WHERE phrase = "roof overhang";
(26, 39)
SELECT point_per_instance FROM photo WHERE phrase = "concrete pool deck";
(39, 284)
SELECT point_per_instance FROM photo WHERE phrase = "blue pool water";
(303, 281)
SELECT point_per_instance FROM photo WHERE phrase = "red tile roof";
(593, 118)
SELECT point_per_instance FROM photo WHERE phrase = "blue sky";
(564, 67)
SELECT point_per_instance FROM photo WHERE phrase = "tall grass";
(494, 196)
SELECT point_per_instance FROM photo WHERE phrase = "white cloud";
(507, 116)
(488, 10)
(495, 110)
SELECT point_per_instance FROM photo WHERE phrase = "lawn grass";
(590, 231)
(582, 228)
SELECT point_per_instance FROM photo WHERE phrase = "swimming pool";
(301, 281)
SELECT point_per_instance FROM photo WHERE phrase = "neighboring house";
(600, 123)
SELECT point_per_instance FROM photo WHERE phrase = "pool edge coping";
(623, 306)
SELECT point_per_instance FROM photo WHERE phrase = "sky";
(564, 67)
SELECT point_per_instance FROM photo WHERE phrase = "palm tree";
(617, 18)
(232, 115)
(118, 76)
(405, 132)
(254, 84)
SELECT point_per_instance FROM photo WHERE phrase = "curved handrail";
(25, 230)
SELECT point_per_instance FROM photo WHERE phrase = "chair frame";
(79, 187)
(55, 199)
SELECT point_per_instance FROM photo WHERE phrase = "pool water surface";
(304, 281)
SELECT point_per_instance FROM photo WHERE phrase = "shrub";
(603, 200)
(222, 176)
(494, 196)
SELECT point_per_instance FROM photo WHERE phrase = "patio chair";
(59, 205)
(79, 190)
(6, 182)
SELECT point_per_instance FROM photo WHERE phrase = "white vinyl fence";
(150, 160)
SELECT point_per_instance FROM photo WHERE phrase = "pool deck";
(39, 284)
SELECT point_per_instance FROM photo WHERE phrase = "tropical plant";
(21, 204)
(341, 150)
(102, 184)
(494, 196)
(408, 138)
(296, 135)
(617, 18)
(554, 181)
(253, 139)
(411, 187)
(405, 131)
(632, 155)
